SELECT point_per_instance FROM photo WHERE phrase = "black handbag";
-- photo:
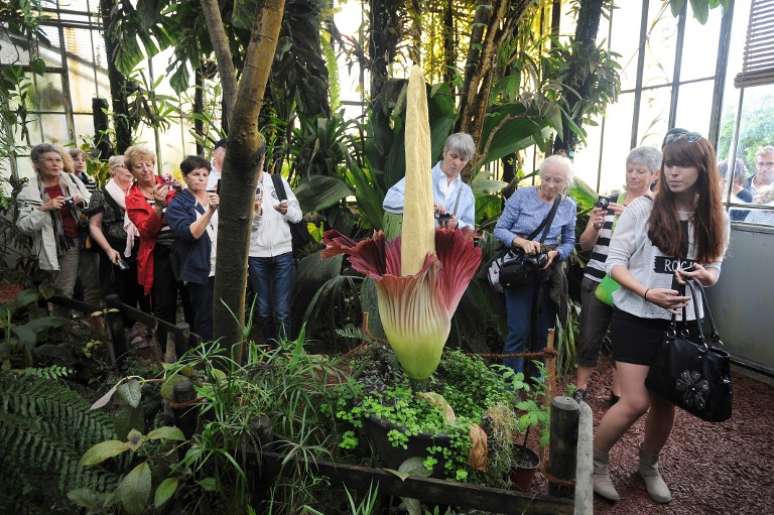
(298, 230)
(516, 269)
(689, 372)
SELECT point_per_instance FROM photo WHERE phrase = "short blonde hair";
(67, 160)
(137, 153)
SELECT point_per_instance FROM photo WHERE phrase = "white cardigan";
(38, 224)
(632, 248)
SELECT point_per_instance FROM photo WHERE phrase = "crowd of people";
(151, 241)
(155, 245)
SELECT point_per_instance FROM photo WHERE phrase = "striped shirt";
(595, 268)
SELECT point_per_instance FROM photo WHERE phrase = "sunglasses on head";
(676, 134)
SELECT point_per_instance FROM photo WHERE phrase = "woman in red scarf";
(146, 203)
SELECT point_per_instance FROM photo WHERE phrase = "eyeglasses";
(676, 134)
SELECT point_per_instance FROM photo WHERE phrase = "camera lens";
(602, 202)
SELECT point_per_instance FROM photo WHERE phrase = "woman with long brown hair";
(658, 244)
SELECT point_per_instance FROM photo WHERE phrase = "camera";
(538, 260)
(443, 219)
(122, 264)
(69, 204)
(602, 202)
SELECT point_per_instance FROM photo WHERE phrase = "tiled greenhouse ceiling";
(758, 65)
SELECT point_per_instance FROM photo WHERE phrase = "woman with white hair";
(642, 167)
(529, 309)
(49, 209)
(116, 236)
(455, 205)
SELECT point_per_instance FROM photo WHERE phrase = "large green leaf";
(135, 488)
(318, 192)
(164, 491)
(131, 392)
(509, 128)
(166, 433)
(368, 192)
(583, 194)
(102, 451)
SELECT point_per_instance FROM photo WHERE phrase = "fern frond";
(53, 372)
(45, 428)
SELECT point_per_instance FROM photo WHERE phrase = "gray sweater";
(632, 248)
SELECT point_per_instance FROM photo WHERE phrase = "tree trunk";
(198, 109)
(493, 20)
(484, 10)
(449, 46)
(217, 32)
(385, 22)
(578, 82)
(119, 86)
(240, 175)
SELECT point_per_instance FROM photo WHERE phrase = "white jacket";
(270, 233)
(38, 224)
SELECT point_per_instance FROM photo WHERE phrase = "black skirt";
(638, 340)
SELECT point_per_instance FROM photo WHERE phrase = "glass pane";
(754, 176)
(50, 48)
(700, 47)
(617, 143)
(625, 39)
(759, 216)
(24, 167)
(693, 106)
(731, 93)
(55, 129)
(84, 128)
(48, 92)
(587, 157)
(80, 64)
(654, 116)
(13, 52)
(32, 127)
(659, 45)
(172, 150)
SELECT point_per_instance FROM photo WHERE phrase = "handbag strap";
(714, 335)
(545, 225)
(279, 187)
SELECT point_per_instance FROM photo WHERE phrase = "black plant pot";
(526, 463)
(376, 429)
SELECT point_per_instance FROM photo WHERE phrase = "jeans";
(200, 297)
(271, 279)
(518, 308)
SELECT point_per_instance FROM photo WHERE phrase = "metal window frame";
(719, 78)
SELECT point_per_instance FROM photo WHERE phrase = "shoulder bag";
(298, 230)
(514, 268)
(689, 372)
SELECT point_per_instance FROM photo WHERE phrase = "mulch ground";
(721, 468)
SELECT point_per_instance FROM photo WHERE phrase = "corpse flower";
(416, 310)
(419, 282)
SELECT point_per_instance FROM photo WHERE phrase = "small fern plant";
(45, 427)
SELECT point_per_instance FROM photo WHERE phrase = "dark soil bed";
(710, 468)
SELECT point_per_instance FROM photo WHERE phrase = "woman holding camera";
(530, 310)
(193, 217)
(49, 210)
(642, 165)
(658, 244)
(116, 236)
(146, 205)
